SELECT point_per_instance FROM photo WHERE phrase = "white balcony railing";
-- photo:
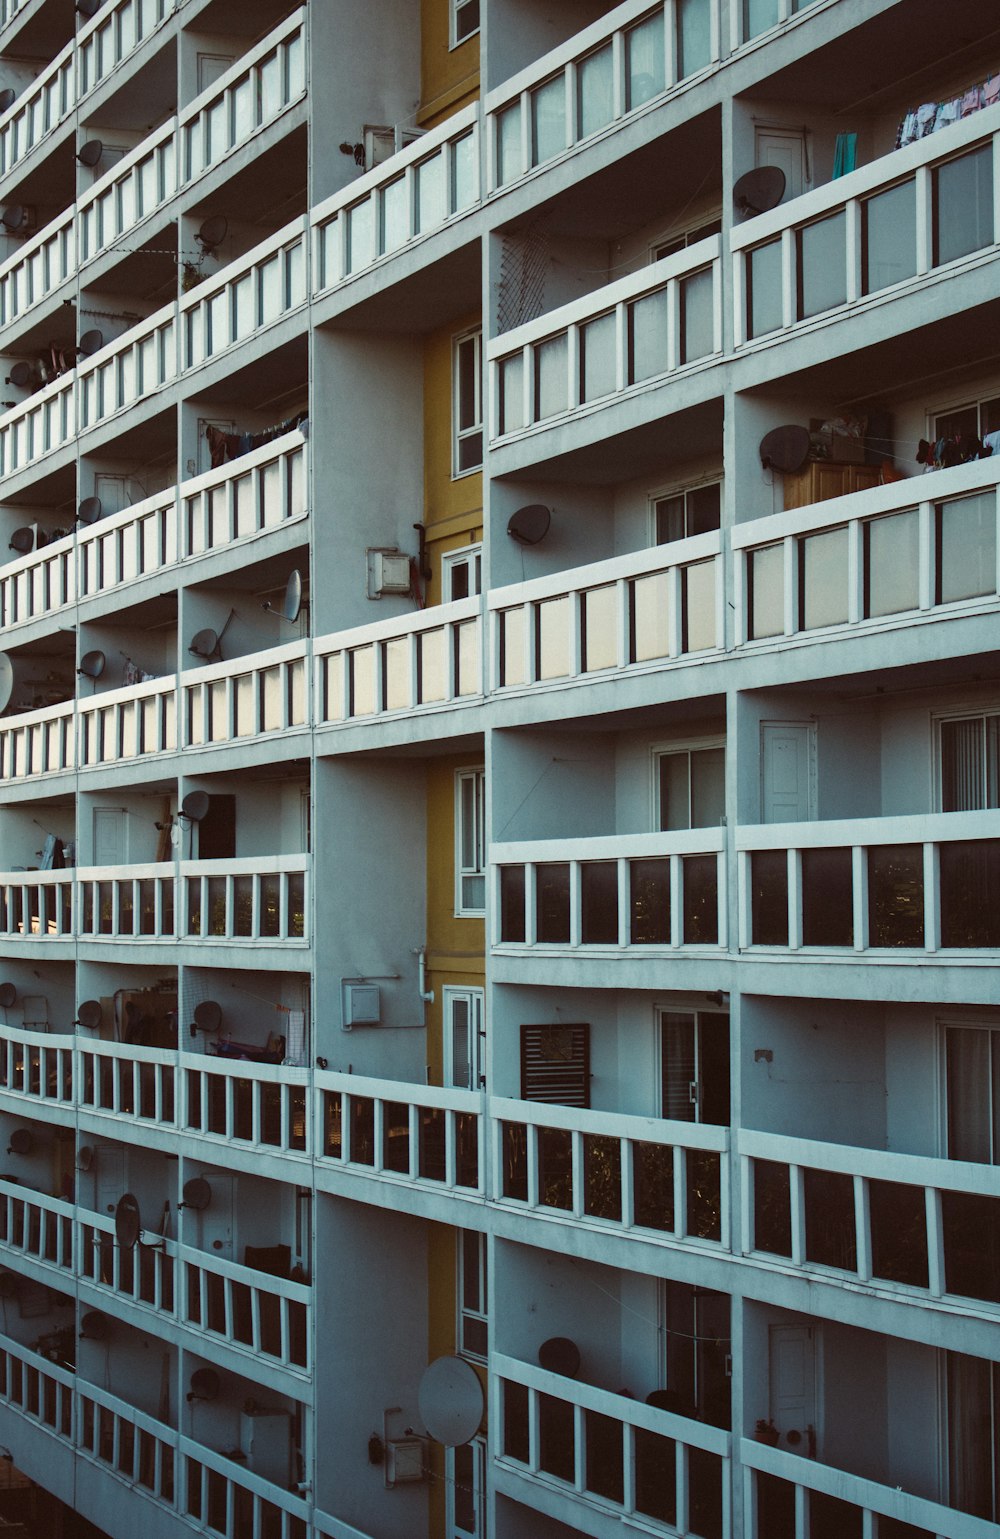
(43, 423)
(267, 283)
(621, 339)
(424, 1134)
(424, 186)
(134, 543)
(129, 1082)
(256, 899)
(635, 1173)
(604, 74)
(645, 1462)
(888, 556)
(39, 110)
(36, 904)
(249, 96)
(37, 1066)
(108, 38)
(38, 584)
(246, 698)
(38, 743)
(36, 1226)
(244, 498)
(38, 268)
(647, 609)
(882, 230)
(130, 369)
(815, 1491)
(132, 189)
(409, 662)
(263, 1106)
(898, 887)
(128, 723)
(627, 893)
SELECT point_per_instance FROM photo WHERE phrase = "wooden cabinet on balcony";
(819, 480)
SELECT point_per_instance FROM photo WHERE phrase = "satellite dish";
(88, 8)
(8, 995)
(205, 1385)
(92, 665)
(450, 1398)
(85, 1157)
(89, 510)
(7, 99)
(759, 190)
(94, 1325)
(785, 448)
(21, 1141)
(22, 540)
(9, 1285)
(15, 217)
(205, 644)
(194, 806)
(560, 1355)
(89, 1014)
(91, 342)
(213, 232)
(22, 374)
(530, 525)
(6, 680)
(292, 601)
(89, 154)
(207, 1014)
(197, 1194)
(128, 1223)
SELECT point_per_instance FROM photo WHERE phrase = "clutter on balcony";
(251, 1052)
(845, 455)
(956, 449)
(929, 117)
(224, 447)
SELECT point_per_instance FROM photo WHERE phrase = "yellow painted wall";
(449, 77)
(455, 947)
(453, 507)
(442, 1303)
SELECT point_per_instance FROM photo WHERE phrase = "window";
(464, 1469)
(973, 419)
(472, 1298)
(677, 243)
(694, 1066)
(963, 205)
(681, 514)
(690, 787)
(696, 1359)
(972, 1093)
(969, 753)
(468, 403)
(973, 1415)
(462, 573)
(464, 20)
(470, 842)
(464, 1038)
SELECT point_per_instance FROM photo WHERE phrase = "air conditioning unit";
(383, 140)
(388, 571)
(362, 1005)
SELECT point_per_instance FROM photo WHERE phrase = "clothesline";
(931, 116)
(224, 447)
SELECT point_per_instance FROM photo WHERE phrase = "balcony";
(657, 324)
(38, 743)
(639, 1175)
(250, 294)
(40, 267)
(632, 59)
(407, 663)
(632, 614)
(128, 370)
(36, 904)
(889, 1220)
(627, 894)
(608, 1452)
(38, 1066)
(135, 187)
(106, 40)
(231, 702)
(257, 899)
(422, 1134)
(43, 423)
(128, 723)
(922, 549)
(420, 190)
(893, 889)
(39, 110)
(789, 1497)
(887, 229)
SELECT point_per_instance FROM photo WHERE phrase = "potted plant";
(766, 1432)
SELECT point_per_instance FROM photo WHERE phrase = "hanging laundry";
(930, 117)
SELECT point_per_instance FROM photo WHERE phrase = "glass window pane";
(708, 787)
(599, 900)
(758, 15)
(597, 357)
(396, 663)
(822, 265)
(433, 665)
(647, 322)
(551, 377)
(651, 620)
(548, 120)
(890, 237)
(430, 193)
(970, 893)
(463, 173)
(963, 205)
(512, 903)
(552, 903)
(697, 316)
(764, 303)
(594, 92)
(892, 564)
(392, 212)
(645, 71)
(513, 654)
(766, 584)
(675, 790)
(966, 548)
(701, 900)
(896, 895)
(823, 579)
(671, 518)
(552, 622)
(694, 36)
(359, 235)
(649, 900)
(704, 509)
(512, 394)
(600, 639)
(362, 662)
(510, 163)
(699, 606)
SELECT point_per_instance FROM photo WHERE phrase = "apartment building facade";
(500, 766)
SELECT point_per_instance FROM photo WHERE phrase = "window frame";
(477, 1449)
(475, 998)
(660, 751)
(478, 1310)
(696, 1090)
(465, 555)
(670, 244)
(460, 435)
(940, 718)
(668, 494)
(455, 10)
(945, 1024)
(477, 867)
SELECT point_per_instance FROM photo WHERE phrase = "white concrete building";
(495, 859)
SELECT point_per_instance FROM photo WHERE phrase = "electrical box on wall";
(405, 1460)
(362, 1005)
(388, 571)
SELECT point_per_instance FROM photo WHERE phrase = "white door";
(110, 844)
(109, 1180)
(785, 148)
(464, 1038)
(217, 1220)
(787, 754)
(113, 493)
(792, 1354)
